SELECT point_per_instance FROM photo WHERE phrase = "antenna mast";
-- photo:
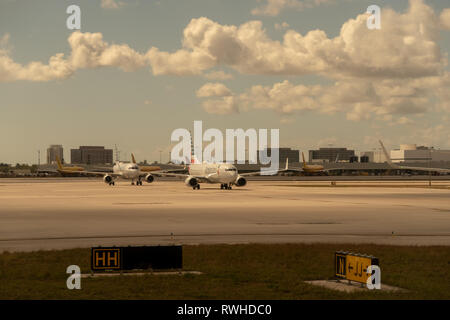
(117, 153)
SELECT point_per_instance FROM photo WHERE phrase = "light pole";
(429, 167)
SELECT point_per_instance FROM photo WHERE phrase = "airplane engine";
(240, 181)
(107, 179)
(191, 182)
(149, 178)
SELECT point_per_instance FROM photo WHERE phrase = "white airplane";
(394, 166)
(224, 173)
(123, 170)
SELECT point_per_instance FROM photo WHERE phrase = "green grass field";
(254, 271)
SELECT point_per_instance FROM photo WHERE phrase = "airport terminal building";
(413, 153)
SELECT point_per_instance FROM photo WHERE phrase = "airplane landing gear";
(225, 186)
(112, 183)
(196, 187)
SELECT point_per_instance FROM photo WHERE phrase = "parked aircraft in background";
(63, 170)
(312, 169)
(145, 168)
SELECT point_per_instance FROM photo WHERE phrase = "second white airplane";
(123, 170)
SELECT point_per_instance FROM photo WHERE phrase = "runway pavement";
(57, 213)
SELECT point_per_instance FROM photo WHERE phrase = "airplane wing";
(266, 173)
(440, 170)
(184, 176)
(169, 174)
(94, 173)
(331, 169)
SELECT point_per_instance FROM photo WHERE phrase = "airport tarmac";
(59, 213)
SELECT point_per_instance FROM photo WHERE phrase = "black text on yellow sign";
(105, 259)
(353, 266)
(340, 265)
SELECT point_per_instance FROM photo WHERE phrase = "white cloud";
(445, 19)
(111, 4)
(57, 68)
(405, 48)
(388, 100)
(90, 51)
(226, 105)
(274, 7)
(4, 40)
(213, 90)
(218, 75)
(180, 63)
(221, 99)
(281, 26)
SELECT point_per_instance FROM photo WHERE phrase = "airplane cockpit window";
(230, 169)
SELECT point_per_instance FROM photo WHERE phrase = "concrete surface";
(345, 286)
(119, 274)
(67, 213)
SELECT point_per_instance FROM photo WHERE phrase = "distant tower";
(117, 153)
(53, 151)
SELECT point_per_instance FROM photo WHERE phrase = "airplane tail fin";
(133, 159)
(287, 164)
(388, 158)
(304, 162)
(58, 161)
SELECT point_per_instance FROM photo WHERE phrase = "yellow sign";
(105, 258)
(357, 268)
(353, 266)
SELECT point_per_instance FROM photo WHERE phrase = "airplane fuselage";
(127, 170)
(313, 168)
(224, 173)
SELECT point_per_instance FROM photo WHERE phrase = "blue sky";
(102, 105)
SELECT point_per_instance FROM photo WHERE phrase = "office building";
(91, 155)
(284, 153)
(330, 154)
(53, 151)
